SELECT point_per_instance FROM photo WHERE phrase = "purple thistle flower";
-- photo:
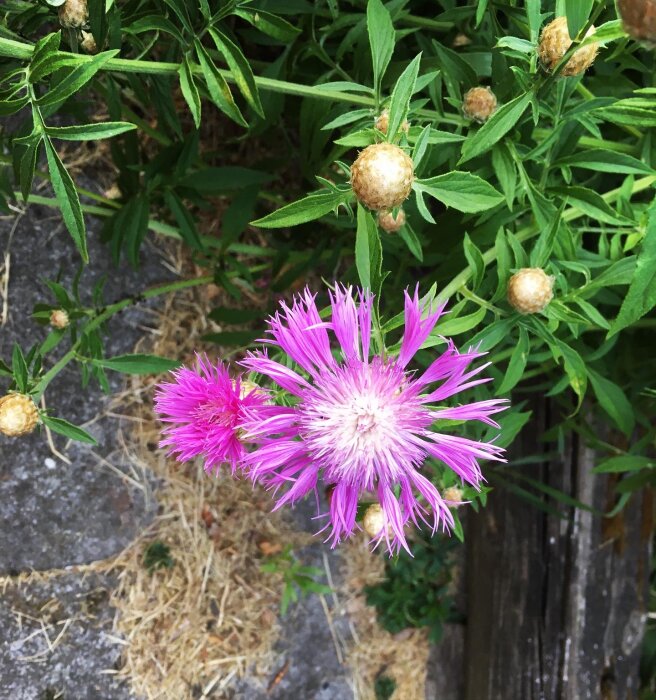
(361, 423)
(203, 409)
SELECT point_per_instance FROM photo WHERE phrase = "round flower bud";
(374, 520)
(530, 290)
(388, 222)
(453, 496)
(460, 40)
(88, 43)
(639, 18)
(18, 415)
(479, 104)
(554, 43)
(74, 14)
(59, 319)
(382, 176)
(382, 123)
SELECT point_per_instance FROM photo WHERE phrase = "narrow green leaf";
(461, 190)
(624, 463)
(68, 199)
(269, 24)
(89, 132)
(19, 368)
(604, 161)
(410, 238)
(190, 90)
(613, 400)
(368, 251)
(76, 79)
(185, 220)
(27, 167)
(476, 261)
(401, 94)
(517, 362)
(381, 38)
(544, 245)
(308, 209)
(217, 86)
(240, 68)
(641, 296)
(591, 204)
(137, 364)
(577, 12)
(497, 126)
(63, 427)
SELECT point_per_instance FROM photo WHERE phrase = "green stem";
(461, 279)
(107, 313)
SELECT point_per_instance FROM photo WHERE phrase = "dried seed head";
(374, 520)
(88, 43)
(479, 104)
(453, 496)
(59, 319)
(382, 123)
(388, 222)
(18, 415)
(554, 43)
(639, 18)
(74, 13)
(530, 290)
(382, 176)
(460, 40)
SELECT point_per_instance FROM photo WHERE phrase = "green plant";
(298, 580)
(157, 555)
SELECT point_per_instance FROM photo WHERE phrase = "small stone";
(382, 176)
(390, 223)
(18, 415)
(479, 104)
(554, 44)
(530, 290)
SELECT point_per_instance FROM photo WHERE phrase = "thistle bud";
(18, 415)
(388, 222)
(74, 14)
(530, 290)
(374, 520)
(554, 44)
(639, 18)
(59, 319)
(382, 176)
(88, 43)
(453, 496)
(382, 123)
(479, 104)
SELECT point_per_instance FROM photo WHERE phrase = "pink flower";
(362, 423)
(203, 409)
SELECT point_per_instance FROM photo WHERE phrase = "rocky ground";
(55, 630)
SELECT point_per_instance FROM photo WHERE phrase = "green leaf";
(19, 368)
(76, 79)
(63, 427)
(27, 167)
(420, 146)
(641, 296)
(190, 90)
(517, 362)
(401, 94)
(575, 368)
(613, 400)
(492, 335)
(476, 261)
(89, 132)
(633, 111)
(184, 219)
(368, 251)
(240, 68)
(217, 86)
(497, 126)
(409, 237)
(591, 204)
(308, 209)
(455, 326)
(135, 224)
(461, 190)
(381, 38)
(544, 245)
(137, 364)
(269, 24)
(604, 161)
(68, 199)
(624, 463)
(577, 12)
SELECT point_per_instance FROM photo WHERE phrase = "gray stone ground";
(54, 515)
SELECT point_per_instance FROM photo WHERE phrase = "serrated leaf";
(89, 132)
(137, 364)
(461, 190)
(381, 38)
(497, 126)
(307, 209)
(68, 199)
(63, 427)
